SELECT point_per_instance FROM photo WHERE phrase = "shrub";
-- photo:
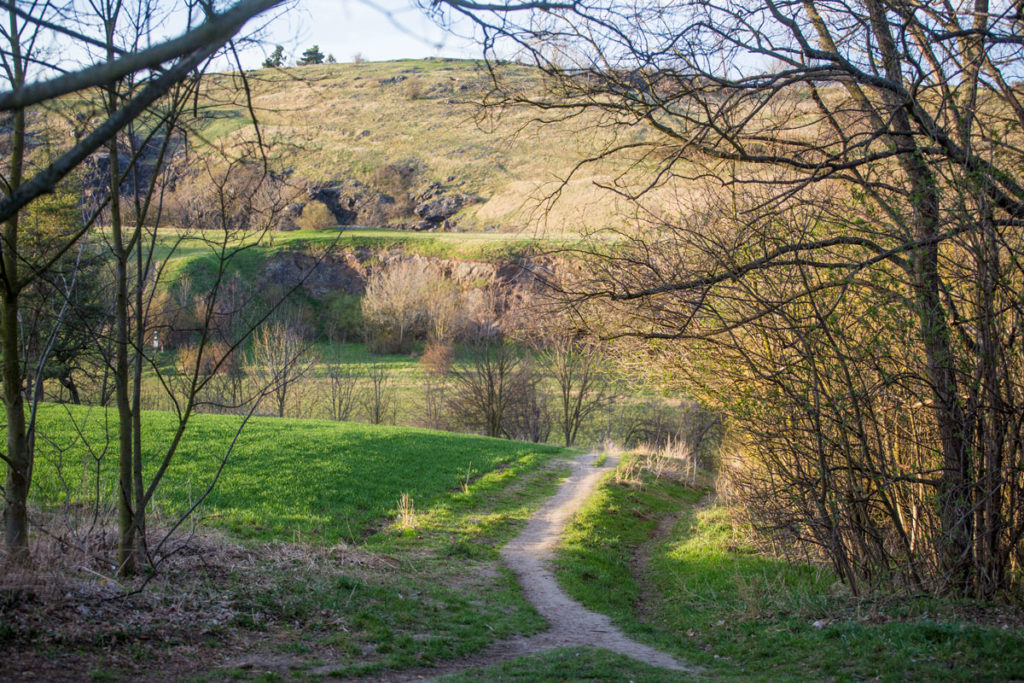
(344, 319)
(316, 216)
(396, 182)
(172, 316)
(413, 89)
(437, 358)
(446, 319)
(216, 358)
(394, 307)
(408, 301)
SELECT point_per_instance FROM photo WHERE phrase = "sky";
(374, 29)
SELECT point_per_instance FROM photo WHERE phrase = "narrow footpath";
(529, 556)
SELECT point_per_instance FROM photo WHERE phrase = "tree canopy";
(311, 55)
(829, 201)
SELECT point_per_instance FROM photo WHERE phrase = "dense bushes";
(409, 301)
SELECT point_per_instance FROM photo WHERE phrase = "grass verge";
(691, 583)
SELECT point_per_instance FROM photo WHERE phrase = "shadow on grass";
(569, 664)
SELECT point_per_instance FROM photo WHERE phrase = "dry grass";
(346, 121)
(70, 601)
(406, 512)
(674, 461)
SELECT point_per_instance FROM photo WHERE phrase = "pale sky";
(376, 29)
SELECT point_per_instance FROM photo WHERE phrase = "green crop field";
(285, 479)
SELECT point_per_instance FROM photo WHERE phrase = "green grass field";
(325, 582)
(703, 592)
(285, 479)
(570, 664)
(481, 246)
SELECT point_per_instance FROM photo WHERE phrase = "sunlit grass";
(285, 479)
(703, 592)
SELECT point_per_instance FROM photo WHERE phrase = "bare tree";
(19, 35)
(342, 392)
(435, 410)
(163, 65)
(527, 412)
(409, 300)
(156, 68)
(844, 264)
(378, 395)
(279, 357)
(395, 305)
(446, 319)
(484, 388)
(583, 389)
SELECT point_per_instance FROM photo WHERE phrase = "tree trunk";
(19, 465)
(954, 501)
(136, 408)
(68, 382)
(125, 518)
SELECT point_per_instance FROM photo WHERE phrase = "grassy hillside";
(336, 122)
(317, 480)
(324, 582)
(190, 254)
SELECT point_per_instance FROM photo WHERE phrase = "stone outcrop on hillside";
(439, 208)
(357, 203)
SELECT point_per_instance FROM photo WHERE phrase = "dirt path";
(572, 625)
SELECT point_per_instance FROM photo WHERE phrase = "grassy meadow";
(313, 480)
(303, 564)
(190, 254)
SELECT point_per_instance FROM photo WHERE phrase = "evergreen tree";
(276, 58)
(312, 55)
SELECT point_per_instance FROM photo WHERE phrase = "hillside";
(354, 132)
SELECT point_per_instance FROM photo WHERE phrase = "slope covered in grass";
(343, 122)
(285, 479)
(682, 574)
(188, 255)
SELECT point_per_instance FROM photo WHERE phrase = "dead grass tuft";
(674, 461)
